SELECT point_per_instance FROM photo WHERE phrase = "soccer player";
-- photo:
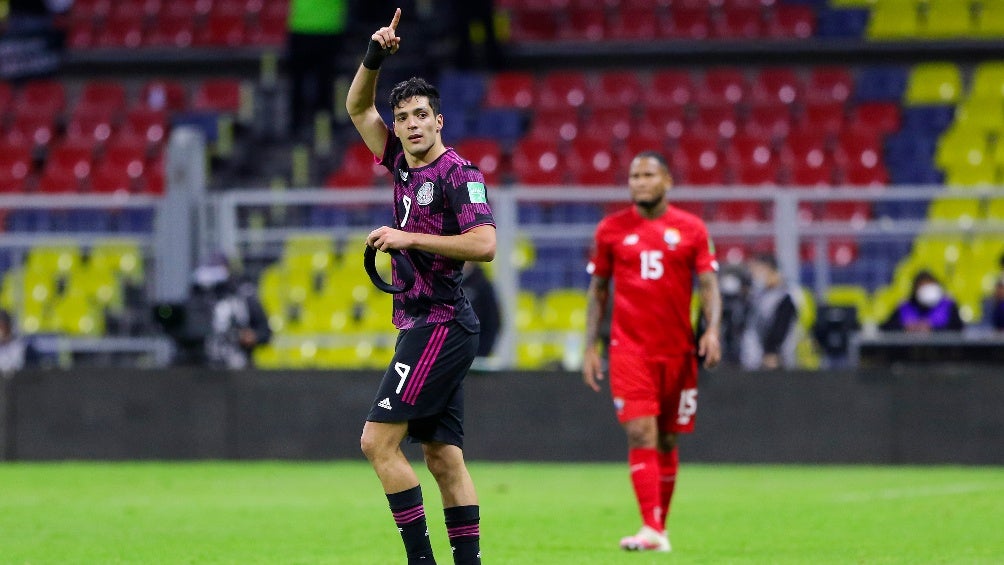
(651, 252)
(441, 220)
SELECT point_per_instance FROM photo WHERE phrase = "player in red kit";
(652, 252)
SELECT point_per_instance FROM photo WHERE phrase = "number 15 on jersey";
(651, 265)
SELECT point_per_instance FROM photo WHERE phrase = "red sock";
(668, 464)
(645, 479)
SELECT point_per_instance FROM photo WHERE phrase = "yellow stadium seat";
(267, 357)
(981, 112)
(308, 244)
(850, 295)
(99, 285)
(121, 255)
(38, 286)
(893, 20)
(853, 3)
(527, 314)
(962, 143)
(564, 310)
(990, 23)
(963, 211)
(933, 83)
(53, 258)
(988, 81)
(965, 174)
(885, 300)
(10, 290)
(806, 304)
(938, 253)
(947, 19)
(320, 317)
(535, 353)
(998, 154)
(75, 315)
(995, 211)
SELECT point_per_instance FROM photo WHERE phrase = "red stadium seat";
(633, 24)
(723, 85)
(510, 90)
(840, 252)
(538, 162)
(669, 88)
(357, 169)
(770, 119)
(80, 34)
(100, 95)
(234, 7)
(126, 156)
(738, 23)
(154, 182)
(618, 89)
(528, 26)
(855, 212)
(739, 211)
(121, 30)
(486, 154)
(270, 31)
(16, 166)
(829, 84)
(614, 123)
(161, 94)
(637, 143)
(66, 167)
(149, 125)
(753, 159)
(172, 30)
(865, 173)
(882, 117)
(562, 89)
(665, 122)
(222, 30)
(806, 154)
(42, 97)
(274, 8)
(810, 173)
(108, 179)
(133, 9)
(556, 123)
(592, 162)
(699, 161)
(687, 23)
(6, 98)
(91, 128)
(585, 24)
(222, 95)
(828, 117)
(90, 9)
(777, 84)
(718, 118)
(188, 7)
(31, 128)
(791, 22)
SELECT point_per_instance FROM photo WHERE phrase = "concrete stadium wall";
(919, 416)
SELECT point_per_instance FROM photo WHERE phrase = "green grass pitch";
(550, 514)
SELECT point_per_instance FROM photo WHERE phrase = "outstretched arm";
(361, 99)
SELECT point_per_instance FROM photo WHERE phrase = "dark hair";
(650, 154)
(415, 86)
(767, 259)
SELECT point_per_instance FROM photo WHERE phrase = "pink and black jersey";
(652, 264)
(446, 197)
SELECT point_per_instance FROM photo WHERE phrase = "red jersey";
(652, 264)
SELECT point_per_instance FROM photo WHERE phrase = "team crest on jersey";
(424, 195)
(672, 237)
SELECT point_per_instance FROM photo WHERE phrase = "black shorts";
(424, 384)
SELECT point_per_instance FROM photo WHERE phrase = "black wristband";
(375, 54)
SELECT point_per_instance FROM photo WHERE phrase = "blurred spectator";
(481, 294)
(734, 284)
(13, 349)
(928, 309)
(770, 334)
(237, 323)
(315, 42)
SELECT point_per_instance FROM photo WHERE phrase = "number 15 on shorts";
(688, 406)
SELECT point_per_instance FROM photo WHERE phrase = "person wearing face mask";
(928, 309)
(771, 332)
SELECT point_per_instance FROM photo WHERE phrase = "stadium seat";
(147, 124)
(828, 117)
(662, 122)
(961, 211)
(893, 20)
(591, 162)
(537, 161)
(613, 122)
(504, 124)
(791, 22)
(687, 23)
(16, 166)
(620, 89)
(669, 87)
(839, 23)
(718, 118)
(829, 84)
(739, 211)
(933, 84)
(946, 19)
(222, 30)
(463, 89)
(986, 113)
(558, 123)
(510, 90)
(583, 24)
(66, 167)
(561, 89)
(990, 23)
(776, 85)
(91, 128)
(357, 168)
(983, 173)
(105, 97)
(963, 144)
(723, 85)
(988, 80)
(486, 154)
(271, 31)
(172, 29)
(533, 25)
(161, 94)
(882, 117)
(773, 120)
(927, 120)
(633, 24)
(738, 23)
(864, 172)
(884, 83)
(853, 212)
(121, 31)
(125, 156)
(222, 95)
(42, 97)
(862, 146)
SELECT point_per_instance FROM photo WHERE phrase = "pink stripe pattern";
(409, 515)
(425, 363)
(463, 531)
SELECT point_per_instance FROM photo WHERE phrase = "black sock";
(465, 534)
(409, 514)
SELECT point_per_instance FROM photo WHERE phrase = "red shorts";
(664, 388)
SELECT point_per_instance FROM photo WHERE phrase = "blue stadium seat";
(465, 90)
(88, 220)
(134, 220)
(884, 83)
(503, 125)
(328, 216)
(841, 23)
(530, 213)
(901, 210)
(540, 279)
(908, 148)
(927, 119)
(915, 173)
(29, 220)
(573, 212)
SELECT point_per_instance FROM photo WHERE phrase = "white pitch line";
(917, 492)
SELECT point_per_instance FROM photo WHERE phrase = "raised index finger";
(397, 18)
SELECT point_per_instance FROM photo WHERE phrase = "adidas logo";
(385, 404)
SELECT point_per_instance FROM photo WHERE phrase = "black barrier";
(812, 417)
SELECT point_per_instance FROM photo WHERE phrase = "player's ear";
(439, 122)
